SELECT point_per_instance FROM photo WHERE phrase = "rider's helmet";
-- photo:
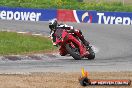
(53, 24)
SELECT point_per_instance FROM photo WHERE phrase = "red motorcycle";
(70, 44)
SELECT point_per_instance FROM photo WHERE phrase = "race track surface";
(112, 43)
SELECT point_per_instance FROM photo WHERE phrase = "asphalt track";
(113, 44)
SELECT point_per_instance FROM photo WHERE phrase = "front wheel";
(74, 52)
(92, 54)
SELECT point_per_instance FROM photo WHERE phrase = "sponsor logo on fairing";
(125, 20)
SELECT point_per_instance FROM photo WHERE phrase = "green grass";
(69, 4)
(14, 43)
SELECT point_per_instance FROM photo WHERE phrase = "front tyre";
(92, 54)
(74, 52)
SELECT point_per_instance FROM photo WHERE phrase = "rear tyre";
(74, 52)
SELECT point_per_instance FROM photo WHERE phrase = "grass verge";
(14, 43)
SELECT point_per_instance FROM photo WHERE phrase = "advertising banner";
(82, 16)
(124, 18)
(78, 16)
(27, 14)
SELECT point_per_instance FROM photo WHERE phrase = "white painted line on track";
(15, 73)
(22, 32)
(37, 34)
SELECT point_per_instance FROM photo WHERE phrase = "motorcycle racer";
(53, 25)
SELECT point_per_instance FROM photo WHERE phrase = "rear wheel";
(73, 51)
